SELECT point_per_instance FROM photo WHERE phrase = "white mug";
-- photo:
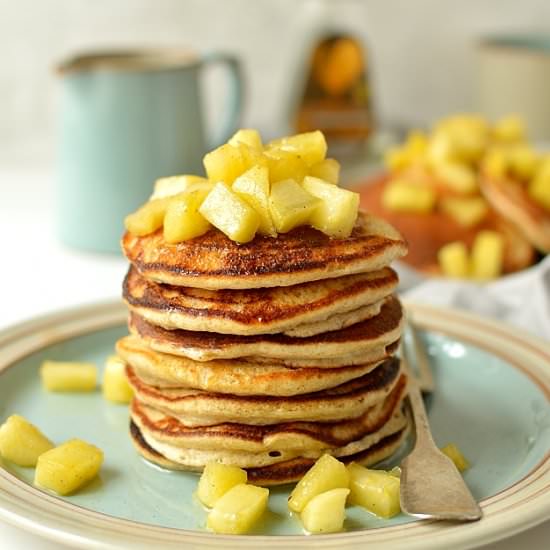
(514, 78)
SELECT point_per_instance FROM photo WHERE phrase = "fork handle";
(420, 417)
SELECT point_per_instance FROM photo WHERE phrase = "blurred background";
(421, 54)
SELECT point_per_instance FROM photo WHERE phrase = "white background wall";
(422, 51)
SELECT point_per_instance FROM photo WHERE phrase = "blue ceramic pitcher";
(128, 118)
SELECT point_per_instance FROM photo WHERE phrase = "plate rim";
(33, 510)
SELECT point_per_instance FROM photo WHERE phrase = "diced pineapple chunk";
(325, 513)
(336, 212)
(230, 214)
(487, 255)
(173, 185)
(68, 467)
(67, 376)
(226, 163)
(115, 384)
(253, 187)
(311, 146)
(539, 190)
(284, 165)
(327, 170)
(148, 218)
(467, 211)
(248, 136)
(459, 177)
(402, 196)
(509, 129)
(183, 220)
(397, 158)
(21, 442)
(495, 163)
(524, 161)
(375, 490)
(453, 260)
(453, 452)
(216, 480)
(289, 205)
(326, 474)
(236, 512)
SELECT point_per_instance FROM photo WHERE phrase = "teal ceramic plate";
(492, 400)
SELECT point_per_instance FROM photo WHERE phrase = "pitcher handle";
(235, 96)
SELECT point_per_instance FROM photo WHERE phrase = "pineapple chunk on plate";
(21, 442)
(236, 512)
(454, 453)
(116, 387)
(458, 177)
(68, 467)
(326, 474)
(253, 187)
(183, 220)
(402, 196)
(487, 255)
(232, 215)
(216, 480)
(375, 490)
(466, 211)
(453, 260)
(336, 212)
(68, 376)
(325, 513)
(539, 189)
(290, 205)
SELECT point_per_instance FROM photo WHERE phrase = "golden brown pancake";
(281, 472)
(289, 436)
(234, 376)
(213, 261)
(427, 233)
(511, 200)
(358, 339)
(305, 309)
(199, 408)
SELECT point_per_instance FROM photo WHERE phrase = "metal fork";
(431, 485)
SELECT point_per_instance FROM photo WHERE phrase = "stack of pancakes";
(268, 354)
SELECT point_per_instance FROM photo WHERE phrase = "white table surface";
(39, 275)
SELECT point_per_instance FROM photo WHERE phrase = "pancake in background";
(427, 233)
(199, 408)
(213, 261)
(358, 339)
(234, 376)
(512, 201)
(300, 310)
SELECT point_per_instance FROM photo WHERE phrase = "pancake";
(358, 339)
(511, 199)
(213, 261)
(299, 310)
(199, 408)
(233, 376)
(281, 472)
(427, 233)
(289, 436)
